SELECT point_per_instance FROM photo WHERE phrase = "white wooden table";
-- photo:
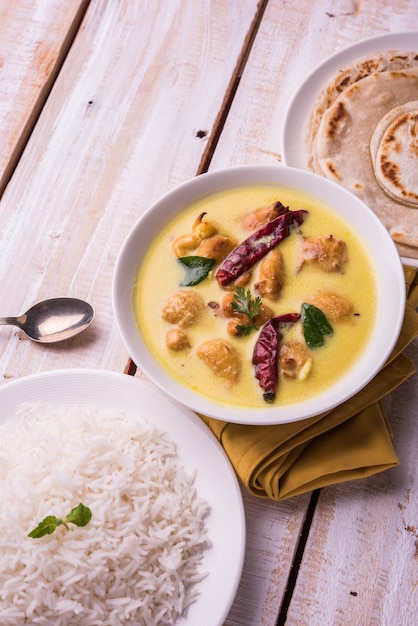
(104, 106)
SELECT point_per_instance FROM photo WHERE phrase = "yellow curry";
(209, 335)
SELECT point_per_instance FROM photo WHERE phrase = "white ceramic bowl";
(388, 270)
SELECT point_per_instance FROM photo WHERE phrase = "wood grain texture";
(34, 38)
(273, 531)
(119, 128)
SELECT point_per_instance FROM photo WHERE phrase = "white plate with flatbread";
(354, 120)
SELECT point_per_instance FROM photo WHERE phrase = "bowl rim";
(390, 291)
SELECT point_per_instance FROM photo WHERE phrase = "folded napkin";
(351, 441)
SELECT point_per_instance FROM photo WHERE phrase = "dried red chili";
(257, 245)
(265, 355)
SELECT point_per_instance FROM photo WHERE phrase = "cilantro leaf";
(244, 302)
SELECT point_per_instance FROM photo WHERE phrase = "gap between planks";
(43, 95)
(232, 90)
(297, 559)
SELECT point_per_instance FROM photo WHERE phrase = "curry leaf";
(315, 325)
(197, 268)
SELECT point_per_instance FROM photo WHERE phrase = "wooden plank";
(34, 38)
(273, 530)
(360, 561)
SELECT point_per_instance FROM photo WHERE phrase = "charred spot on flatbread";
(336, 120)
(390, 170)
(363, 134)
(394, 152)
(332, 169)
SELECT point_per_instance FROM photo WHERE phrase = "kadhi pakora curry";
(256, 296)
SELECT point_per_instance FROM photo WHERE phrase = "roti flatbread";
(365, 66)
(394, 153)
(363, 134)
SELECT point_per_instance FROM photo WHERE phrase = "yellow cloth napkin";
(351, 441)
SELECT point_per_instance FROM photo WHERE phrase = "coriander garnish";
(245, 302)
(79, 515)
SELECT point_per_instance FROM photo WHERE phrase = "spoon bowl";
(53, 320)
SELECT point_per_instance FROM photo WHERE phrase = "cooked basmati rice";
(139, 558)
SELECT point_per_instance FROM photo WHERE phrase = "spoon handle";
(8, 320)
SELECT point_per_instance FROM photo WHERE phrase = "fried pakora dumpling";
(271, 277)
(183, 308)
(222, 358)
(295, 360)
(333, 306)
(201, 229)
(326, 252)
(216, 247)
(262, 215)
(176, 339)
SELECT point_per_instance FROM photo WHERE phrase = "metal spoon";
(54, 320)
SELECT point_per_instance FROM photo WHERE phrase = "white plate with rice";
(167, 536)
